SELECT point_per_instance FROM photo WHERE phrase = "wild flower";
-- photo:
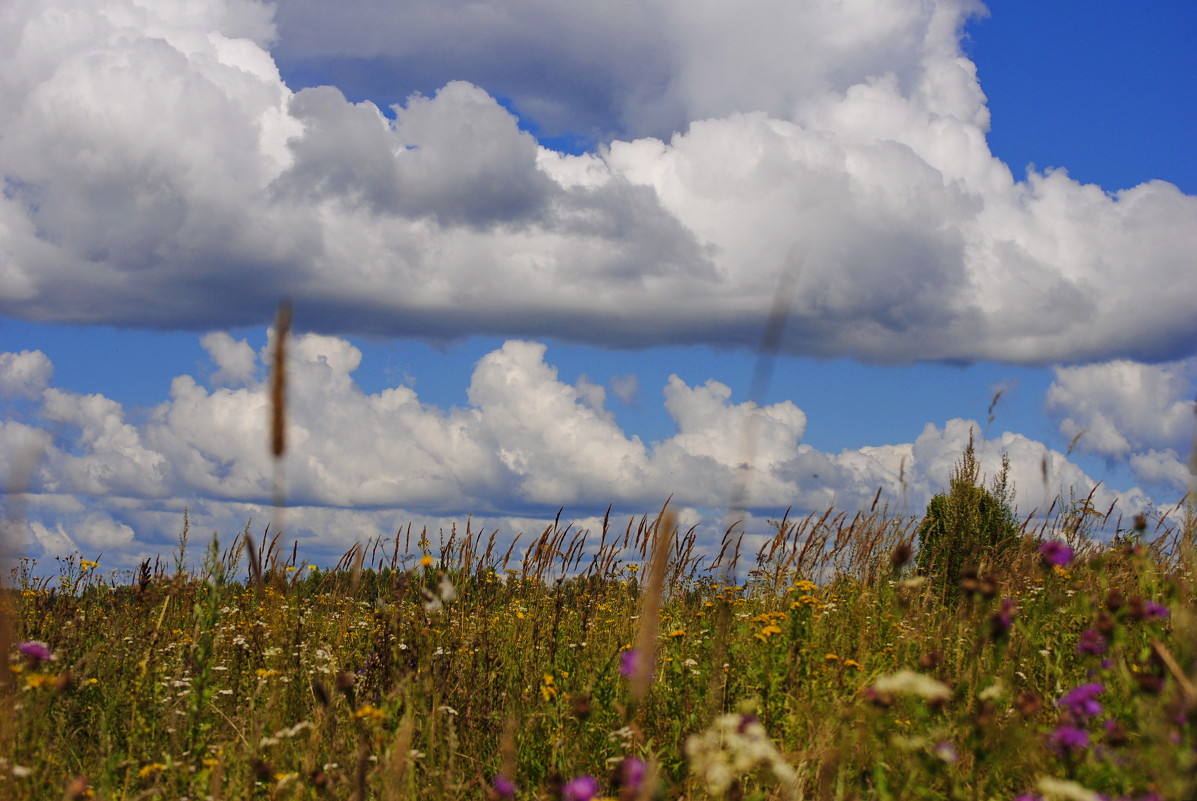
(548, 687)
(630, 773)
(503, 787)
(1068, 741)
(1142, 609)
(1003, 619)
(767, 631)
(369, 712)
(35, 652)
(1091, 642)
(908, 682)
(946, 752)
(734, 746)
(580, 788)
(446, 590)
(1055, 554)
(1080, 702)
(1052, 788)
(629, 661)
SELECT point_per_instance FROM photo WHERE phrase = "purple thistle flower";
(629, 661)
(503, 787)
(36, 652)
(581, 788)
(1067, 741)
(1091, 642)
(630, 774)
(1055, 553)
(1080, 701)
(1154, 611)
(1003, 619)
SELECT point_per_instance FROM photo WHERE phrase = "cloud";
(626, 387)
(525, 444)
(159, 172)
(24, 375)
(235, 360)
(1130, 411)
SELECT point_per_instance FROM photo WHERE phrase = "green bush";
(971, 527)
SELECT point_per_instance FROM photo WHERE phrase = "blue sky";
(115, 275)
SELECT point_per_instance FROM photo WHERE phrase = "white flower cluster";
(907, 682)
(734, 746)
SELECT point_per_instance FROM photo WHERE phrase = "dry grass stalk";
(650, 612)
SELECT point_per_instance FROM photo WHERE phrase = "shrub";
(969, 527)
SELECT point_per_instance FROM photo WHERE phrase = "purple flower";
(36, 652)
(1067, 741)
(581, 788)
(1153, 611)
(1055, 553)
(1080, 701)
(631, 773)
(1091, 642)
(1003, 619)
(629, 661)
(503, 787)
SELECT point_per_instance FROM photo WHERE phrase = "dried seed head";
(1115, 599)
(1029, 703)
(320, 691)
(931, 660)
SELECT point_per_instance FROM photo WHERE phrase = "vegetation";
(619, 664)
(970, 528)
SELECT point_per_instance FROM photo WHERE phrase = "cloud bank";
(101, 477)
(159, 172)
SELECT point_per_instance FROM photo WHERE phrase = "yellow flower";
(548, 687)
(831, 658)
(368, 711)
(87, 564)
(805, 586)
(263, 673)
(677, 633)
(153, 767)
(768, 631)
(852, 663)
(34, 680)
(425, 560)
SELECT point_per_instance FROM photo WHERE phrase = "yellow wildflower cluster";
(369, 712)
(806, 600)
(548, 687)
(769, 627)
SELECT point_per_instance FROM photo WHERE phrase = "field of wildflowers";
(613, 664)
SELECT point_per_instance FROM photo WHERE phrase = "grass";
(616, 663)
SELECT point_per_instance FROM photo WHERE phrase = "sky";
(533, 250)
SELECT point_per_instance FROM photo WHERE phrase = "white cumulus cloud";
(1142, 413)
(25, 374)
(102, 477)
(160, 172)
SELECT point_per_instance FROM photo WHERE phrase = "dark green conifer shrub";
(971, 527)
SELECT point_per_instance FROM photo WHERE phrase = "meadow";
(825, 664)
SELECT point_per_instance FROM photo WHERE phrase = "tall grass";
(596, 663)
